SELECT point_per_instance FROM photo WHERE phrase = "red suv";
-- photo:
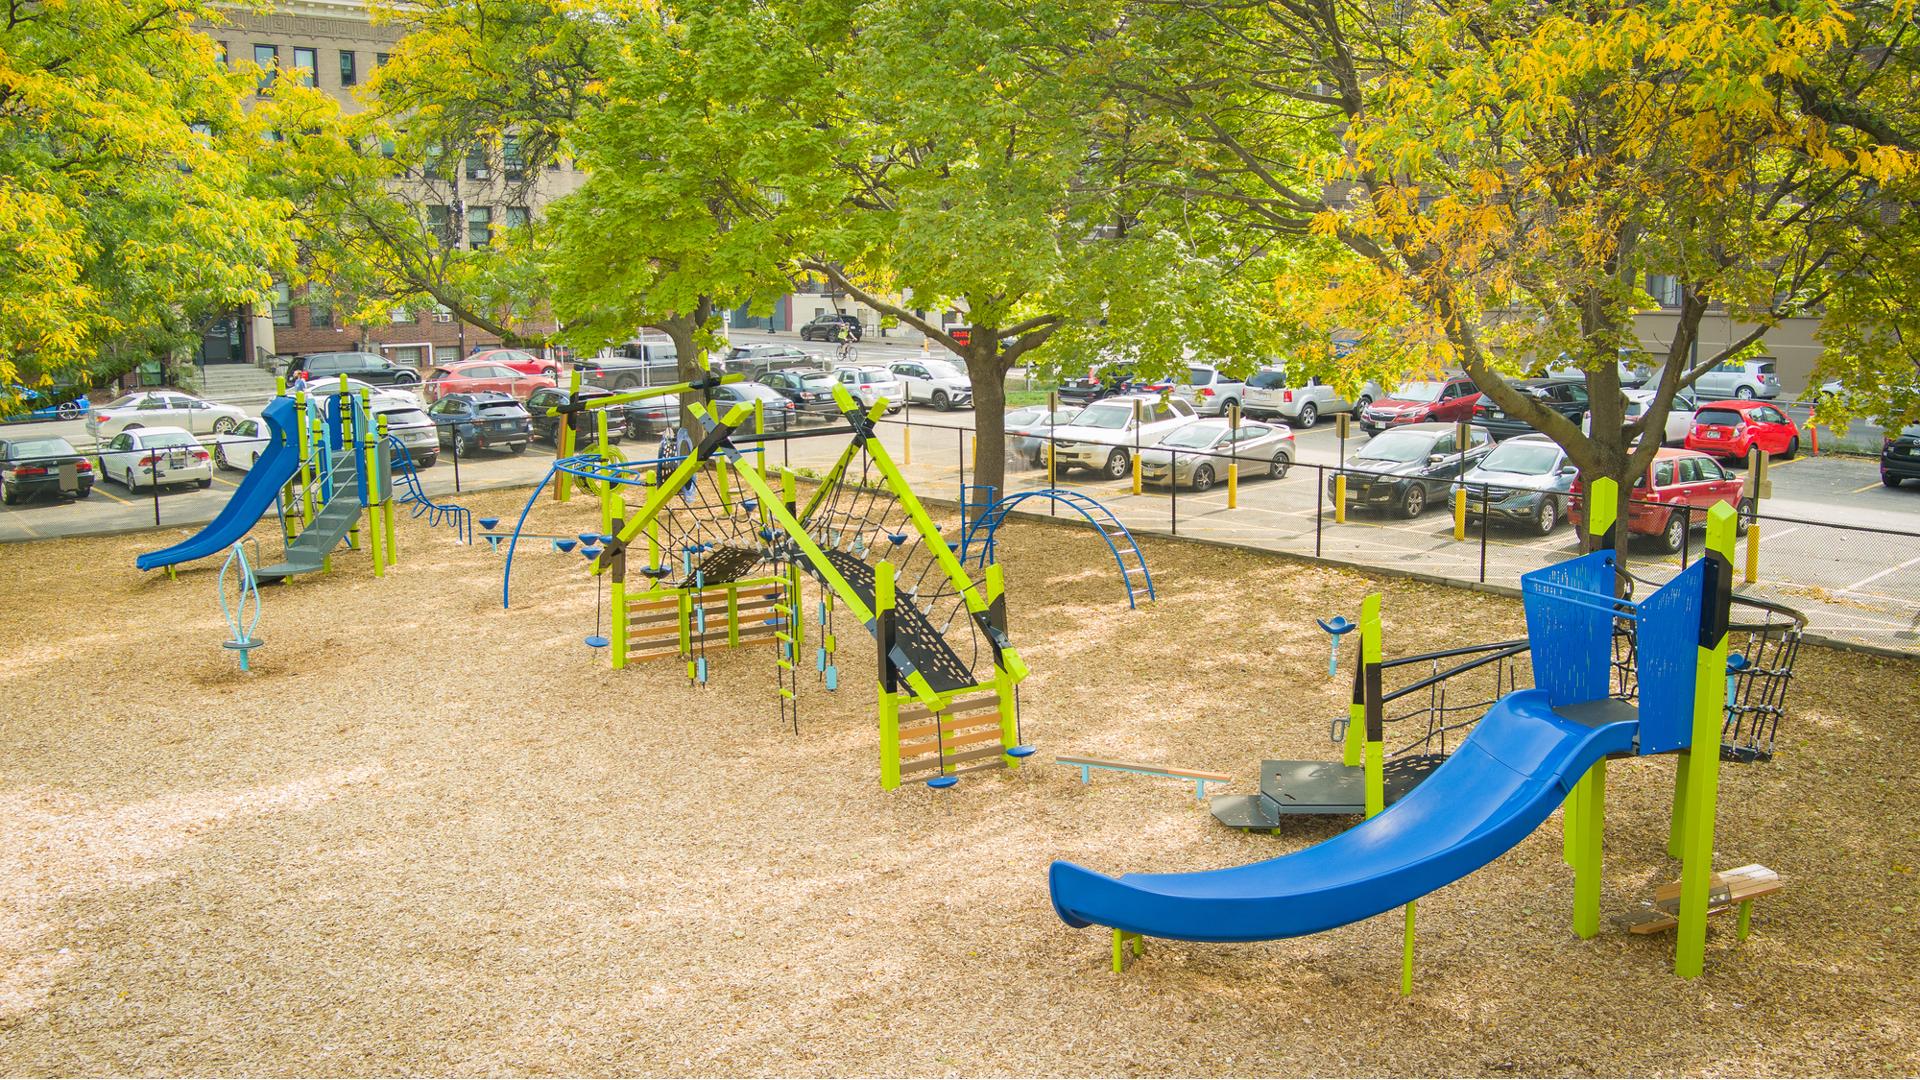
(1731, 428)
(1422, 403)
(519, 360)
(1676, 492)
(479, 376)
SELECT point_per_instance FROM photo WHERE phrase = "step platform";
(1296, 788)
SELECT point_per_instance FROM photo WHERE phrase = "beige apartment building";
(335, 45)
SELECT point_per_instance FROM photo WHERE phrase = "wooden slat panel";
(952, 759)
(953, 742)
(670, 603)
(950, 726)
(1145, 767)
(964, 707)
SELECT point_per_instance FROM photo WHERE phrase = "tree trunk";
(989, 376)
(680, 329)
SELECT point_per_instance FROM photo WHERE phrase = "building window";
(282, 306)
(319, 315)
(221, 52)
(349, 74)
(440, 223)
(477, 163)
(306, 66)
(479, 226)
(1665, 289)
(400, 316)
(387, 147)
(446, 354)
(266, 58)
(510, 160)
(379, 59)
(518, 216)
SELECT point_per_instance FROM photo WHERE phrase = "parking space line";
(1788, 531)
(1868, 487)
(1876, 577)
(28, 529)
(100, 488)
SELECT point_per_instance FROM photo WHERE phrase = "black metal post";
(153, 467)
(456, 455)
(1173, 483)
(960, 450)
(1486, 514)
(1319, 504)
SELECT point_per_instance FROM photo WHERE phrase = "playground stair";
(309, 551)
(1738, 887)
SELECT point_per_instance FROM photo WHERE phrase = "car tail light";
(150, 459)
(30, 470)
(101, 418)
(1206, 391)
(199, 455)
(83, 466)
(1286, 395)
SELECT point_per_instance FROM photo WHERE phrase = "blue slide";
(1519, 763)
(250, 500)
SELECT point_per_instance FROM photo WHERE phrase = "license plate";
(504, 427)
(1709, 434)
(177, 459)
(1496, 414)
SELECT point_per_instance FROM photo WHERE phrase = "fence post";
(960, 452)
(906, 430)
(1173, 482)
(1053, 408)
(1319, 504)
(153, 470)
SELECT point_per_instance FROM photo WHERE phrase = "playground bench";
(1739, 887)
(1200, 779)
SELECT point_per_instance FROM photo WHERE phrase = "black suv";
(586, 427)
(1102, 382)
(1900, 457)
(365, 366)
(1409, 468)
(485, 420)
(830, 326)
(1568, 397)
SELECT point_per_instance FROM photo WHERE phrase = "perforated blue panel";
(1570, 625)
(1668, 629)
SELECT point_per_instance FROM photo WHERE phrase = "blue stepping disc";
(1020, 752)
(564, 545)
(589, 553)
(489, 523)
(941, 783)
(898, 538)
(598, 641)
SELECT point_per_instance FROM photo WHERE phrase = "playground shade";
(249, 501)
(1519, 763)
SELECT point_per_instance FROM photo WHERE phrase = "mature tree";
(129, 202)
(1492, 186)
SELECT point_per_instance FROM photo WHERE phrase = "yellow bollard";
(1340, 498)
(1233, 461)
(906, 444)
(1753, 553)
(1460, 513)
(1136, 448)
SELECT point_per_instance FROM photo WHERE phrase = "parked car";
(1410, 467)
(42, 466)
(396, 395)
(1744, 379)
(870, 384)
(1198, 454)
(19, 403)
(941, 383)
(623, 373)
(1210, 390)
(1027, 431)
(754, 361)
(469, 377)
(1631, 371)
(519, 360)
(1731, 428)
(1900, 457)
(830, 326)
(163, 408)
(1679, 414)
(1100, 438)
(415, 430)
(1300, 402)
(779, 413)
(1430, 401)
(481, 420)
(1568, 397)
(146, 456)
(1678, 489)
(1525, 481)
(1102, 381)
(810, 391)
(585, 424)
(365, 366)
(240, 448)
(653, 350)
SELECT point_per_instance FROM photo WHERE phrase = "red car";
(480, 376)
(1731, 428)
(519, 360)
(1679, 487)
(1422, 403)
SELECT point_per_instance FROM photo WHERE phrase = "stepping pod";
(1336, 628)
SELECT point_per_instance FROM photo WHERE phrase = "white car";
(870, 384)
(414, 428)
(940, 382)
(1101, 437)
(145, 456)
(1301, 402)
(1679, 416)
(162, 408)
(392, 395)
(240, 448)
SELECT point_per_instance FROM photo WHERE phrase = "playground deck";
(426, 835)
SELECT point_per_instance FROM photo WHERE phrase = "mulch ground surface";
(428, 835)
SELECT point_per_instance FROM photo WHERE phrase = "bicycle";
(848, 351)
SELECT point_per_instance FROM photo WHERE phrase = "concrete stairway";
(235, 383)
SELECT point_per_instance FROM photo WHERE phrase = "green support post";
(369, 482)
(384, 495)
(996, 585)
(889, 699)
(1354, 749)
(1375, 750)
(617, 640)
(1590, 796)
(1406, 953)
(1703, 764)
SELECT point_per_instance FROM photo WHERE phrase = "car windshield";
(1270, 379)
(167, 438)
(1107, 417)
(817, 380)
(1196, 436)
(1522, 457)
(501, 409)
(1397, 446)
(1420, 391)
(1726, 417)
(27, 448)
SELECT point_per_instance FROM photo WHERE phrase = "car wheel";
(1793, 449)
(405, 378)
(127, 480)
(517, 448)
(1889, 481)
(9, 496)
(224, 424)
(84, 493)
(1361, 405)
(1202, 477)
(204, 484)
(1547, 517)
(625, 382)
(940, 401)
(1277, 468)
(1309, 414)
(1119, 463)
(220, 456)
(461, 448)
(69, 410)
(1673, 535)
(1414, 502)
(1744, 393)
(425, 461)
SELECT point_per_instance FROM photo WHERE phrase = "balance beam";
(1200, 779)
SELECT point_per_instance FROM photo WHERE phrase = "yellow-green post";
(1136, 448)
(1354, 750)
(1233, 459)
(617, 641)
(906, 443)
(386, 503)
(564, 442)
(1460, 513)
(1590, 795)
(1375, 748)
(889, 701)
(371, 509)
(996, 587)
(1406, 953)
(609, 491)
(1703, 763)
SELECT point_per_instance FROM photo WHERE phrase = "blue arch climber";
(981, 530)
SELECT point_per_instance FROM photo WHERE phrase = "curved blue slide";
(250, 500)
(1519, 763)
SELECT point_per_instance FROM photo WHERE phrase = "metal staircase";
(1126, 552)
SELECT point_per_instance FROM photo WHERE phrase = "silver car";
(1525, 481)
(1027, 431)
(1300, 402)
(1744, 379)
(1197, 455)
